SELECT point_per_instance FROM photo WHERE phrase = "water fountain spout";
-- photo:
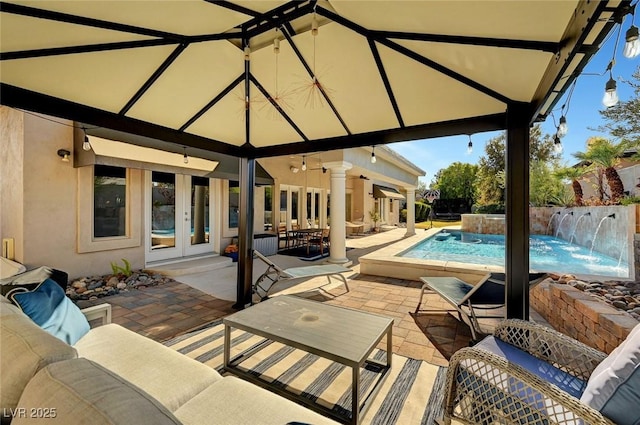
(561, 220)
(551, 221)
(576, 226)
(595, 235)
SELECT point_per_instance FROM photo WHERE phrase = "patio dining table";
(302, 237)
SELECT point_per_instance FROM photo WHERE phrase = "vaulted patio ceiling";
(390, 70)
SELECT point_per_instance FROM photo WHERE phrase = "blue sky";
(582, 115)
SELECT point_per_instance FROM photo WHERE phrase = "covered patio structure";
(262, 79)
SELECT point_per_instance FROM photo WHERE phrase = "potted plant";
(375, 217)
(232, 251)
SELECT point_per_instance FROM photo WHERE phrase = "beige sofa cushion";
(24, 349)
(233, 401)
(170, 377)
(82, 392)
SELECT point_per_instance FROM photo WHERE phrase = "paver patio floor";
(162, 312)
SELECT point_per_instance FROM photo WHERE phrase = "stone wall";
(581, 315)
(488, 224)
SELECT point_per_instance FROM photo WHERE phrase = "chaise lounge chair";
(275, 274)
(487, 294)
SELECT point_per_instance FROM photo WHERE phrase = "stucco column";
(411, 211)
(338, 232)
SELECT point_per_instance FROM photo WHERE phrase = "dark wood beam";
(213, 101)
(234, 7)
(584, 19)
(90, 22)
(544, 46)
(385, 81)
(153, 78)
(312, 75)
(20, 98)
(413, 55)
(281, 111)
(417, 132)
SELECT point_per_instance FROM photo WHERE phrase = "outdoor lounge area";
(151, 138)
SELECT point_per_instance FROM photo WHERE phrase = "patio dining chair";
(275, 274)
(487, 294)
(319, 239)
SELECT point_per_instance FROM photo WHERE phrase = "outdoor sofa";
(114, 376)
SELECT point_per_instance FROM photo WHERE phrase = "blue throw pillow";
(50, 309)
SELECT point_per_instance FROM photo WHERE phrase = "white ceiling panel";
(525, 19)
(422, 92)
(224, 121)
(197, 76)
(25, 33)
(105, 80)
(514, 73)
(186, 17)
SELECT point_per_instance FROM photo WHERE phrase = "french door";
(177, 216)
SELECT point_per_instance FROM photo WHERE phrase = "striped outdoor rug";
(411, 394)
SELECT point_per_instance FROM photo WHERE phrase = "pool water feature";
(547, 253)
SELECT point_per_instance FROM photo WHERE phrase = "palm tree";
(573, 174)
(603, 156)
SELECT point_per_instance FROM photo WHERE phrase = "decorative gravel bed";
(91, 288)
(620, 294)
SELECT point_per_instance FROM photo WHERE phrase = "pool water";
(546, 253)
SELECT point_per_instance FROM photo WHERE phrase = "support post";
(338, 231)
(245, 233)
(517, 211)
(411, 211)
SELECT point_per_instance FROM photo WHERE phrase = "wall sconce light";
(294, 169)
(64, 154)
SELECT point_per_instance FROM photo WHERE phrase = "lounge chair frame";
(275, 274)
(487, 294)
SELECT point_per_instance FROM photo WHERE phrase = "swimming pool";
(547, 253)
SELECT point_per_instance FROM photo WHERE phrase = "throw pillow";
(614, 386)
(32, 278)
(50, 309)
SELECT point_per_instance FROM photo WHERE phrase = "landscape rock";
(93, 287)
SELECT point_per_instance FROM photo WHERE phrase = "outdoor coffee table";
(339, 334)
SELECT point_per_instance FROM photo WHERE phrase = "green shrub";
(628, 200)
(116, 269)
(488, 209)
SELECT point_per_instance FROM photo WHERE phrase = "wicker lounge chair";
(487, 294)
(275, 274)
(530, 374)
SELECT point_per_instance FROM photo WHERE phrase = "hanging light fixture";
(373, 155)
(186, 158)
(304, 164)
(247, 53)
(469, 146)
(563, 128)
(86, 145)
(610, 97)
(632, 45)
(557, 144)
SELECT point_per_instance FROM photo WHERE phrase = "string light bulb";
(632, 45)
(610, 97)
(314, 25)
(557, 144)
(563, 128)
(86, 145)
(186, 158)
(276, 45)
(373, 155)
(304, 164)
(469, 146)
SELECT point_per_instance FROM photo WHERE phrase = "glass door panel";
(163, 210)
